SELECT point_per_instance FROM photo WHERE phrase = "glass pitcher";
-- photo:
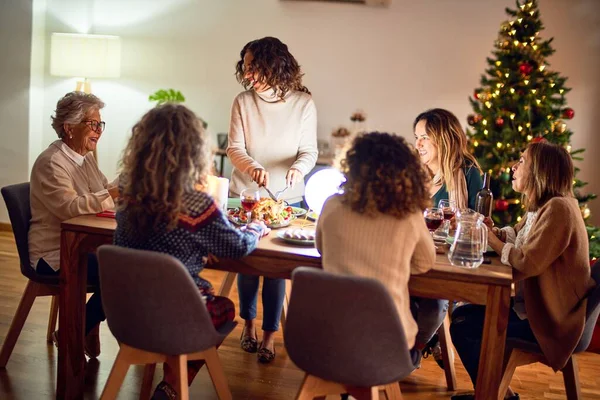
(470, 240)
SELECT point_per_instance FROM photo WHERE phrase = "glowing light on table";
(321, 185)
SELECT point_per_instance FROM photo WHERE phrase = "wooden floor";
(31, 371)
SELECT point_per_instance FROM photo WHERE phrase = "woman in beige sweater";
(375, 228)
(272, 143)
(65, 183)
(548, 251)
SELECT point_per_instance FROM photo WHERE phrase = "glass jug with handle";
(470, 240)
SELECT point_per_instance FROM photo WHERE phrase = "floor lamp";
(85, 56)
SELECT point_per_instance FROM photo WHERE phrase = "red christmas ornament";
(471, 119)
(538, 139)
(568, 113)
(476, 94)
(501, 205)
(499, 122)
(525, 68)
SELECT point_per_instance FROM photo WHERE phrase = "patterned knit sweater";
(202, 230)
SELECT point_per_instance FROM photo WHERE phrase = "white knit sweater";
(275, 135)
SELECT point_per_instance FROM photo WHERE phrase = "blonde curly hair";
(384, 175)
(167, 155)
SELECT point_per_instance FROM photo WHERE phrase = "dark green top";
(474, 184)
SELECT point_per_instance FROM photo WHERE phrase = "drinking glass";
(433, 218)
(249, 199)
(448, 208)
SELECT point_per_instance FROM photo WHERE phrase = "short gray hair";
(72, 109)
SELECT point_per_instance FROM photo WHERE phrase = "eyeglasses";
(96, 126)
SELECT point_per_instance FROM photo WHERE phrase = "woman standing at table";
(162, 210)
(376, 227)
(272, 143)
(548, 251)
(456, 176)
(65, 183)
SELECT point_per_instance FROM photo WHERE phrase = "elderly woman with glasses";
(65, 183)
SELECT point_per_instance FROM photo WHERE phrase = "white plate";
(281, 235)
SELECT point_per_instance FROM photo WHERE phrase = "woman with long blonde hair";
(456, 176)
(161, 208)
(442, 146)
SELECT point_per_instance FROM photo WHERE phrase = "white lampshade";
(85, 56)
(320, 186)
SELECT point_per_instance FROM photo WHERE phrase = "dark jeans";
(429, 315)
(94, 313)
(273, 294)
(467, 331)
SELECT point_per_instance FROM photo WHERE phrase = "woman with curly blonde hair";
(375, 228)
(455, 175)
(162, 210)
(272, 143)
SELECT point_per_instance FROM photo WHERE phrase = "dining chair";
(521, 352)
(18, 203)
(345, 333)
(157, 314)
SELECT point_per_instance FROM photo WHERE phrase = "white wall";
(37, 122)
(15, 45)
(392, 62)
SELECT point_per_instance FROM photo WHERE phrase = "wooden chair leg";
(227, 284)
(179, 366)
(52, 318)
(215, 369)
(571, 378)
(509, 370)
(312, 387)
(29, 295)
(392, 391)
(146, 389)
(117, 375)
(447, 357)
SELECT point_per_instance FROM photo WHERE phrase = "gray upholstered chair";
(345, 333)
(17, 202)
(521, 352)
(156, 313)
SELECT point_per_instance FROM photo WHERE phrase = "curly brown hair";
(167, 155)
(274, 65)
(384, 175)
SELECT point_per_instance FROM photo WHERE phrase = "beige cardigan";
(381, 247)
(554, 266)
(63, 185)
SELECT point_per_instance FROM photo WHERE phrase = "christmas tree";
(521, 100)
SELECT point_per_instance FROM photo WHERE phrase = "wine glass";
(448, 208)
(249, 199)
(433, 218)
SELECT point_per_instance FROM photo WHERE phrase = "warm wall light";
(85, 56)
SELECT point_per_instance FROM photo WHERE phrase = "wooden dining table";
(489, 285)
